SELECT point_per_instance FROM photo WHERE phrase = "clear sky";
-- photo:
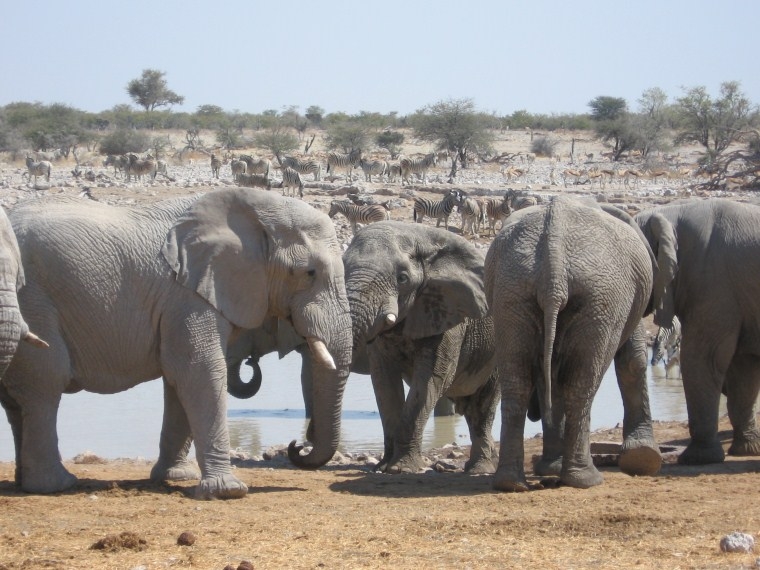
(543, 56)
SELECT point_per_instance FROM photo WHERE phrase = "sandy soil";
(345, 516)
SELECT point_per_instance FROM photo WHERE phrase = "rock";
(187, 538)
(737, 542)
(245, 565)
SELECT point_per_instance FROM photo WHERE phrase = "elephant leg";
(176, 438)
(742, 385)
(388, 386)
(550, 463)
(640, 454)
(194, 364)
(705, 358)
(434, 369)
(13, 412)
(479, 409)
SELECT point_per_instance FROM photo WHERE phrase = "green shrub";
(543, 146)
(124, 141)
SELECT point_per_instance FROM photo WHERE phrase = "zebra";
(667, 346)
(348, 161)
(291, 179)
(438, 209)
(498, 210)
(138, 166)
(394, 171)
(119, 162)
(303, 166)
(216, 164)
(41, 168)
(237, 167)
(254, 181)
(358, 214)
(370, 167)
(256, 165)
(472, 215)
(417, 166)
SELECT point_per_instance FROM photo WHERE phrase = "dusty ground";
(345, 516)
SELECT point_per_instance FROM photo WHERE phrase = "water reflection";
(128, 424)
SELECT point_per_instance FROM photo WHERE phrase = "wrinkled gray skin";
(567, 285)
(417, 304)
(126, 295)
(709, 254)
(13, 328)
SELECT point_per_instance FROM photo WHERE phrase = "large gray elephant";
(567, 284)
(126, 295)
(13, 328)
(418, 307)
(709, 253)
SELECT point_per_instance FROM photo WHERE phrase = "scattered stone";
(187, 538)
(737, 542)
(245, 565)
(89, 458)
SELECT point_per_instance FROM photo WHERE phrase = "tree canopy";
(150, 90)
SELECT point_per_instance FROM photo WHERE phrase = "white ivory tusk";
(32, 338)
(320, 353)
(390, 319)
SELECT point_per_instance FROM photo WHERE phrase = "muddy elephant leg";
(703, 367)
(640, 454)
(550, 463)
(479, 409)
(742, 385)
(176, 438)
(388, 386)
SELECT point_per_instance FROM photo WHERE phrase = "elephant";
(709, 253)
(13, 327)
(129, 294)
(418, 311)
(567, 284)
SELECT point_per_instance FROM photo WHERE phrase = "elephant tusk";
(320, 353)
(390, 319)
(32, 338)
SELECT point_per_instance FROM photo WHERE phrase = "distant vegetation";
(656, 125)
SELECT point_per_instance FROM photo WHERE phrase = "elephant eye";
(311, 272)
(403, 278)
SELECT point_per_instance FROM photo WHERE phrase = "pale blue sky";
(540, 55)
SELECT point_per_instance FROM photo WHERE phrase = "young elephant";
(126, 295)
(567, 284)
(418, 306)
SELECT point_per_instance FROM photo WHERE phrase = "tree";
(391, 141)
(151, 91)
(315, 114)
(456, 126)
(277, 139)
(652, 120)
(613, 123)
(346, 135)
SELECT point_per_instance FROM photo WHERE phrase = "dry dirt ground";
(345, 516)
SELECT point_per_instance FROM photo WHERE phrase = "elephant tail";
(551, 313)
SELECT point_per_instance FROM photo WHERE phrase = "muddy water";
(128, 424)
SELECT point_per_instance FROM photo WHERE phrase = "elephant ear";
(452, 290)
(219, 248)
(10, 256)
(626, 218)
(667, 266)
(287, 338)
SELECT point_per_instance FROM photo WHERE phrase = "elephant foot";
(183, 471)
(701, 455)
(581, 477)
(547, 466)
(743, 446)
(50, 480)
(510, 482)
(221, 487)
(640, 461)
(405, 464)
(479, 466)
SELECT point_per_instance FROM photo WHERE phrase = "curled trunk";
(235, 385)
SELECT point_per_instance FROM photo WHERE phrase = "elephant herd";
(188, 289)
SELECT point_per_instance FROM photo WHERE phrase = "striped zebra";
(356, 214)
(256, 165)
(370, 167)
(498, 210)
(41, 168)
(348, 161)
(291, 179)
(237, 167)
(472, 215)
(438, 209)
(667, 346)
(418, 166)
(216, 164)
(303, 166)
(394, 171)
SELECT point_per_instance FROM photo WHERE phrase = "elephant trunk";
(236, 386)
(13, 329)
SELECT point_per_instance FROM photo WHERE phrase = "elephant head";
(411, 276)
(255, 257)
(13, 328)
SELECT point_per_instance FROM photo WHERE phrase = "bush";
(543, 146)
(125, 141)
